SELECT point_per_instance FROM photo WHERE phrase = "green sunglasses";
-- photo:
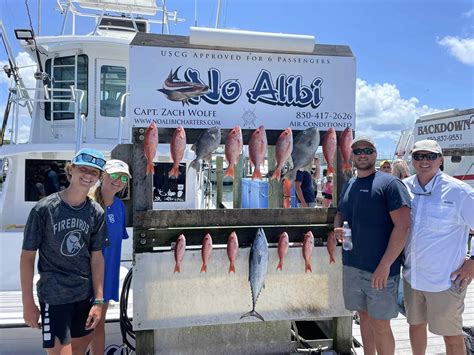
(115, 176)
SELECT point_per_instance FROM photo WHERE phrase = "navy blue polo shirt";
(366, 204)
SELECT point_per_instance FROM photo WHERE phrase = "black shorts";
(64, 321)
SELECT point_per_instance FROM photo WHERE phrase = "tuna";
(329, 148)
(258, 264)
(232, 249)
(308, 245)
(149, 146)
(205, 145)
(233, 148)
(206, 251)
(283, 149)
(345, 146)
(305, 145)
(177, 147)
(257, 150)
(283, 244)
(179, 249)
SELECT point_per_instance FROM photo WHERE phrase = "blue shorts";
(359, 295)
(64, 321)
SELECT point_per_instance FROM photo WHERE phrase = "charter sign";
(199, 88)
(456, 133)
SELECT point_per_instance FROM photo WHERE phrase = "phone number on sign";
(324, 115)
(447, 137)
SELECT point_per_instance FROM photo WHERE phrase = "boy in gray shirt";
(68, 230)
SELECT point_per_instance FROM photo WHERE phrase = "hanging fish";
(305, 145)
(345, 146)
(283, 149)
(258, 264)
(205, 145)
(232, 249)
(233, 148)
(329, 148)
(308, 246)
(257, 150)
(331, 247)
(179, 249)
(177, 147)
(283, 245)
(149, 146)
(206, 251)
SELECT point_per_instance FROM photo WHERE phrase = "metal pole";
(39, 17)
(195, 13)
(218, 13)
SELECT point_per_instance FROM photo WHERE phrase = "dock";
(435, 342)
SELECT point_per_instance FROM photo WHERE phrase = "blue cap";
(89, 157)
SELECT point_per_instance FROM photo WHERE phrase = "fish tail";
(204, 268)
(330, 169)
(230, 171)
(195, 165)
(174, 172)
(276, 174)
(286, 202)
(347, 167)
(257, 175)
(252, 313)
(150, 168)
(280, 265)
(232, 268)
(331, 259)
(177, 268)
(308, 267)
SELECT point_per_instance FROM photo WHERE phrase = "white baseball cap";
(427, 144)
(117, 166)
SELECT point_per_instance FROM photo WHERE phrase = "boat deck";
(435, 342)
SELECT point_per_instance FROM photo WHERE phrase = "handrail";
(77, 116)
(122, 116)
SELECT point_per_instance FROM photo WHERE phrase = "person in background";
(52, 179)
(400, 169)
(436, 271)
(315, 173)
(386, 167)
(114, 180)
(304, 189)
(376, 206)
(68, 229)
(327, 191)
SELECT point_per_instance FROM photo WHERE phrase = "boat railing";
(122, 116)
(132, 12)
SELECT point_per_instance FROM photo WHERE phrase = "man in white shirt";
(436, 271)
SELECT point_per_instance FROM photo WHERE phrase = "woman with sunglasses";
(68, 230)
(114, 180)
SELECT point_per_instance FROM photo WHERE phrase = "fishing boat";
(79, 100)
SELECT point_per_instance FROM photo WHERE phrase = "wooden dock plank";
(435, 342)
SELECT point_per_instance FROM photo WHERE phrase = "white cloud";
(461, 48)
(27, 69)
(382, 114)
(469, 14)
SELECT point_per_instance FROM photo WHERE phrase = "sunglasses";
(365, 151)
(115, 176)
(87, 158)
(428, 156)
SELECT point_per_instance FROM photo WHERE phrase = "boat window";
(44, 177)
(112, 87)
(63, 73)
(456, 159)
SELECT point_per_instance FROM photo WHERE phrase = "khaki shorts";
(441, 310)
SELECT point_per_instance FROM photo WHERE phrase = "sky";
(413, 56)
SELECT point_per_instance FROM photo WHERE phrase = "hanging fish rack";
(203, 310)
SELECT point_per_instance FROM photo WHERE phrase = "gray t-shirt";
(65, 238)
